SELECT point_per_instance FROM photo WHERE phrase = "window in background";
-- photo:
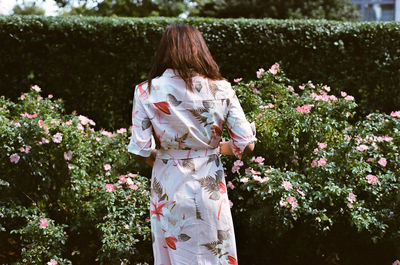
(379, 10)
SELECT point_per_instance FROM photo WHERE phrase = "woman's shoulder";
(141, 88)
(224, 87)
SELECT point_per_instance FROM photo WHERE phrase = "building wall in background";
(379, 10)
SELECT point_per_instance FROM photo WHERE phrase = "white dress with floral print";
(191, 221)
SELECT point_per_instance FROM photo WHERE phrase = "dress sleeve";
(240, 130)
(142, 141)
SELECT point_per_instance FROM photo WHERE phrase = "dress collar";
(169, 72)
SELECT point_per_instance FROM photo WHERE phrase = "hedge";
(93, 63)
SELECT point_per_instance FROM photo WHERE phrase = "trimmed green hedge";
(93, 63)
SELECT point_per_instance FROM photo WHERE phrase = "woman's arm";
(149, 160)
(226, 148)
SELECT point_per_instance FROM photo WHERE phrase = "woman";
(178, 116)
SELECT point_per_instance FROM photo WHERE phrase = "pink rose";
(110, 187)
(287, 185)
(382, 161)
(314, 163)
(351, 197)
(57, 138)
(43, 223)
(372, 179)
(244, 180)
(291, 199)
(52, 262)
(14, 158)
(68, 155)
(36, 88)
(322, 162)
(274, 69)
(230, 185)
(395, 114)
(107, 167)
(260, 72)
(122, 179)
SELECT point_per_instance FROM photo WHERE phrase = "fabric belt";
(184, 154)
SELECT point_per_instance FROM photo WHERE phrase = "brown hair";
(183, 48)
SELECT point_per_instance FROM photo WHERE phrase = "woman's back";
(191, 120)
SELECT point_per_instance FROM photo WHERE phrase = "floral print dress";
(191, 221)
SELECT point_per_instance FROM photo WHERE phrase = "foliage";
(126, 8)
(316, 178)
(343, 10)
(317, 190)
(94, 63)
(66, 189)
(28, 9)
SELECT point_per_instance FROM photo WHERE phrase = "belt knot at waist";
(184, 154)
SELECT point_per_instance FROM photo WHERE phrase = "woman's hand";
(225, 148)
(149, 160)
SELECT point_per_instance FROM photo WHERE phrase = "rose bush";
(317, 182)
(67, 191)
(319, 188)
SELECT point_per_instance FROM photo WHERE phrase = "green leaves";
(63, 179)
(318, 153)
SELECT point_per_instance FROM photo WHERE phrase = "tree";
(281, 9)
(28, 9)
(128, 8)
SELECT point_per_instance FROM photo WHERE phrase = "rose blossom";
(244, 180)
(362, 147)
(287, 185)
(395, 114)
(382, 161)
(36, 88)
(230, 185)
(43, 223)
(122, 179)
(110, 187)
(68, 155)
(236, 166)
(57, 138)
(274, 69)
(14, 158)
(305, 108)
(351, 198)
(372, 179)
(260, 72)
(52, 262)
(313, 163)
(322, 162)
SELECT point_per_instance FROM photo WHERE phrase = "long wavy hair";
(183, 48)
